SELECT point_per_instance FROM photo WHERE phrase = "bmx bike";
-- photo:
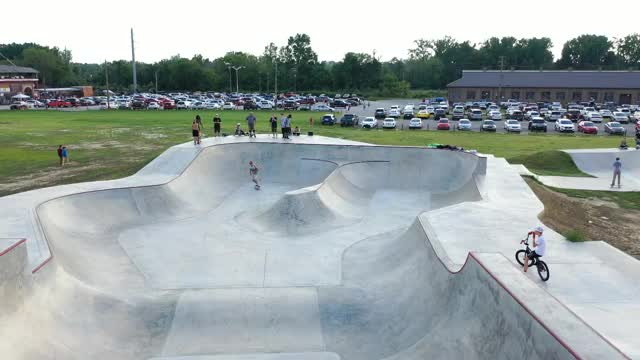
(541, 266)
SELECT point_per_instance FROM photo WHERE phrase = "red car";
(59, 104)
(168, 104)
(587, 127)
(443, 124)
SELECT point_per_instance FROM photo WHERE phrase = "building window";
(531, 95)
(471, 95)
(486, 95)
(608, 96)
(515, 95)
(560, 95)
(576, 96)
(593, 96)
(546, 95)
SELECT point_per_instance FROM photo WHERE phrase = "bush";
(575, 236)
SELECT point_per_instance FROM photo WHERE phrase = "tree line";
(430, 64)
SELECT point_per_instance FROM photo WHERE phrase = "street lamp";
(229, 68)
(236, 68)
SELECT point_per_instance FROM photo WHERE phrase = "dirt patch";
(597, 219)
(47, 177)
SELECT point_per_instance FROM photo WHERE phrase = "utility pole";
(229, 68)
(276, 86)
(501, 78)
(106, 76)
(133, 64)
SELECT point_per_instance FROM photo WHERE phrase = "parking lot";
(430, 124)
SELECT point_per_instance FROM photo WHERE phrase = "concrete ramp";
(334, 258)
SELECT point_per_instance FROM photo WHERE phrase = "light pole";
(236, 68)
(229, 68)
(276, 86)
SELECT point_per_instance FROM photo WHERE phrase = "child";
(195, 132)
(60, 154)
(296, 131)
(274, 125)
(239, 131)
(253, 171)
(65, 155)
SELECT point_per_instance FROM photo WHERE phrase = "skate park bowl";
(347, 251)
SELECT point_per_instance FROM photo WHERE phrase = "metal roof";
(549, 79)
(10, 69)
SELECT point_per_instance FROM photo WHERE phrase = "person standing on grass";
(251, 124)
(311, 121)
(199, 122)
(195, 132)
(60, 154)
(65, 155)
(217, 122)
(617, 170)
(274, 125)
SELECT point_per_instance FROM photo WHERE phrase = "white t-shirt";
(542, 245)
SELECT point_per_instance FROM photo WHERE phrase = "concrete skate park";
(348, 251)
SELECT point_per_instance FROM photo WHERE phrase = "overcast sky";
(95, 31)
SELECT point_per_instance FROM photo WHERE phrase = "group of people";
(285, 127)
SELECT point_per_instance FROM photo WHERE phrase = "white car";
(228, 106)
(512, 126)
(212, 106)
(495, 115)
(431, 109)
(184, 105)
(322, 107)
(464, 124)
(35, 103)
(110, 105)
(369, 122)
(395, 107)
(564, 125)
(620, 117)
(594, 116)
(389, 123)
(264, 105)
(154, 106)
(415, 123)
(408, 109)
(606, 113)
(553, 115)
(394, 113)
(493, 108)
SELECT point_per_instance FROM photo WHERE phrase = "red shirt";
(59, 152)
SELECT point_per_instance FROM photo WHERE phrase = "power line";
(6, 58)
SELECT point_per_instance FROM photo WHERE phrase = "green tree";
(588, 52)
(628, 49)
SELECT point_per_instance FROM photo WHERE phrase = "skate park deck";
(349, 251)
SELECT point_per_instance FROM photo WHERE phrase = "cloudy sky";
(95, 31)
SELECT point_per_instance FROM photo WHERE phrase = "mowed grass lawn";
(111, 144)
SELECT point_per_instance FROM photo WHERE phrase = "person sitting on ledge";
(296, 131)
(623, 144)
(239, 131)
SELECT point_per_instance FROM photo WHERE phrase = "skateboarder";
(251, 124)
(617, 169)
(253, 171)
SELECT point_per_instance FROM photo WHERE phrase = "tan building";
(621, 87)
(16, 80)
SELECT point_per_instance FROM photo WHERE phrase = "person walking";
(65, 155)
(217, 122)
(283, 125)
(195, 132)
(60, 154)
(251, 124)
(617, 170)
(274, 125)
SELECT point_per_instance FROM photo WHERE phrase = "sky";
(98, 31)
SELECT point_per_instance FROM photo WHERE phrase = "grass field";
(112, 144)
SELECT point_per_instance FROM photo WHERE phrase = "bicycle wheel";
(520, 257)
(543, 270)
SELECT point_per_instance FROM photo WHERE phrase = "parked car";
(495, 115)
(389, 123)
(512, 126)
(564, 125)
(614, 128)
(587, 127)
(475, 114)
(394, 113)
(443, 124)
(553, 115)
(464, 125)
(369, 122)
(415, 123)
(59, 104)
(423, 114)
(169, 105)
(606, 113)
(620, 117)
(35, 103)
(458, 112)
(537, 124)
(516, 115)
(340, 104)
(328, 119)
(593, 116)
(322, 107)
(349, 120)
(228, 106)
(380, 113)
(408, 115)
(18, 105)
(488, 125)
(153, 106)
(439, 113)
